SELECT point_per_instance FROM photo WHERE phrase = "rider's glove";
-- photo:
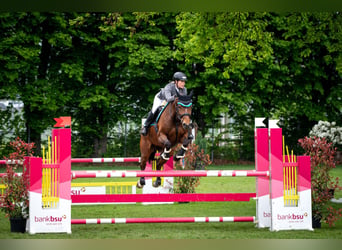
(163, 103)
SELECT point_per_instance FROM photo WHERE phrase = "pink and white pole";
(163, 220)
(87, 160)
(159, 197)
(105, 160)
(175, 173)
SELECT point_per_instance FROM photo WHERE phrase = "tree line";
(102, 68)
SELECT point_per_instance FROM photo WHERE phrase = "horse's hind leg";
(157, 182)
(145, 153)
(160, 163)
(141, 181)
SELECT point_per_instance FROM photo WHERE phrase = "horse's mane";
(185, 99)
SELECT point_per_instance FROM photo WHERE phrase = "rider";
(167, 94)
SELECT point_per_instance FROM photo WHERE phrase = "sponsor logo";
(267, 215)
(49, 219)
(78, 191)
(291, 217)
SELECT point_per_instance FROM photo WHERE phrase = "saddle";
(157, 115)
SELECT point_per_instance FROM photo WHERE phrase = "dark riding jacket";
(169, 92)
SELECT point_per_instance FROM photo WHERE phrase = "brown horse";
(173, 127)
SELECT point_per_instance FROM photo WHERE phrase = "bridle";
(178, 117)
(180, 104)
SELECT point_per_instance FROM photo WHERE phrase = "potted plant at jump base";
(15, 200)
(322, 154)
(195, 159)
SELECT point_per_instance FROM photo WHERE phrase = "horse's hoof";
(180, 154)
(157, 183)
(177, 157)
(165, 156)
(141, 183)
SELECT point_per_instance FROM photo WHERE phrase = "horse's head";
(183, 109)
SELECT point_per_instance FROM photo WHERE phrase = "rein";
(179, 118)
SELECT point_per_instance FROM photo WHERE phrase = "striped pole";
(16, 174)
(163, 220)
(194, 197)
(9, 162)
(86, 160)
(175, 173)
(105, 160)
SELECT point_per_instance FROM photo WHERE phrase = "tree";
(224, 49)
(265, 64)
(125, 64)
(102, 68)
(308, 48)
(29, 64)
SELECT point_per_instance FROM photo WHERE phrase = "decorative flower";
(321, 153)
(330, 131)
(194, 159)
(15, 201)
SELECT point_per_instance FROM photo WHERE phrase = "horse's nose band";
(186, 114)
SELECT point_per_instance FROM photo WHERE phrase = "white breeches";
(156, 103)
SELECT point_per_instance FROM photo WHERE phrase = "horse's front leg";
(181, 153)
(167, 147)
(164, 157)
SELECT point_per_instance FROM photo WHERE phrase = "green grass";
(180, 230)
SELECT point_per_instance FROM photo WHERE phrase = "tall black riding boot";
(147, 123)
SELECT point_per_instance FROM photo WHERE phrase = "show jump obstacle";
(50, 187)
(283, 199)
(283, 189)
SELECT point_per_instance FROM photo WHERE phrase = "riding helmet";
(180, 76)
